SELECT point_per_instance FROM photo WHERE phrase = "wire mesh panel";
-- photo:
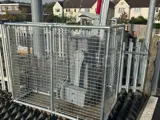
(67, 69)
(30, 64)
(79, 70)
(113, 67)
(78, 74)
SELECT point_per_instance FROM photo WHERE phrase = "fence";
(3, 73)
(56, 69)
(132, 74)
(141, 30)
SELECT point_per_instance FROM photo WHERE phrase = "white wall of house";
(122, 7)
(57, 9)
(10, 7)
(73, 12)
(135, 12)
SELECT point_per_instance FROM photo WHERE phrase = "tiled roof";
(81, 3)
(141, 3)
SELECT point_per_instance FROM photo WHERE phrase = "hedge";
(156, 25)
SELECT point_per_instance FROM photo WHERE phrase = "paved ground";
(156, 115)
(149, 109)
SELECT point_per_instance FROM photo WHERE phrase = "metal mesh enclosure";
(113, 68)
(30, 72)
(66, 69)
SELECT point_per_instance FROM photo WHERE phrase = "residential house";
(73, 8)
(58, 8)
(134, 8)
(14, 8)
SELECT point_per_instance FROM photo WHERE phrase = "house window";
(57, 10)
(137, 9)
(9, 7)
(16, 8)
(0, 8)
(3, 8)
(121, 3)
(67, 10)
(121, 10)
(75, 10)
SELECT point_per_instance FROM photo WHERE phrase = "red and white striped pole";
(99, 5)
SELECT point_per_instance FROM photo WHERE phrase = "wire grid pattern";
(30, 74)
(113, 68)
(78, 74)
(77, 65)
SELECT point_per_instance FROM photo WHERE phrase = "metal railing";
(132, 74)
(55, 69)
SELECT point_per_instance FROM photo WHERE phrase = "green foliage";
(156, 26)
(123, 18)
(138, 20)
(57, 19)
(73, 23)
(48, 7)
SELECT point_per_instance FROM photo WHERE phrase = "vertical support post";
(151, 14)
(156, 72)
(120, 52)
(59, 39)
(37, 16)
(136, 66)
(104, 12)
(2, 73)
(103, 20)
(122, 64)
(51, 71)
(105, 72)
(37, 13)
(131, 29)
(6, 59)
(113, 56)
(129, 66)
(103, 16)
(5, 43)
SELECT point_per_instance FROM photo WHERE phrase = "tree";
(22, 15)
(48, 7)
(8, 16)
(138, 20)
(123, 18)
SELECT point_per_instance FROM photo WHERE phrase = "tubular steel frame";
(117, 30)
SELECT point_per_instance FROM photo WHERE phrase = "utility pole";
(37, 16)
(103, 15)
(104, 12)
(151, 15)
(37, 11)
(103, 5)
